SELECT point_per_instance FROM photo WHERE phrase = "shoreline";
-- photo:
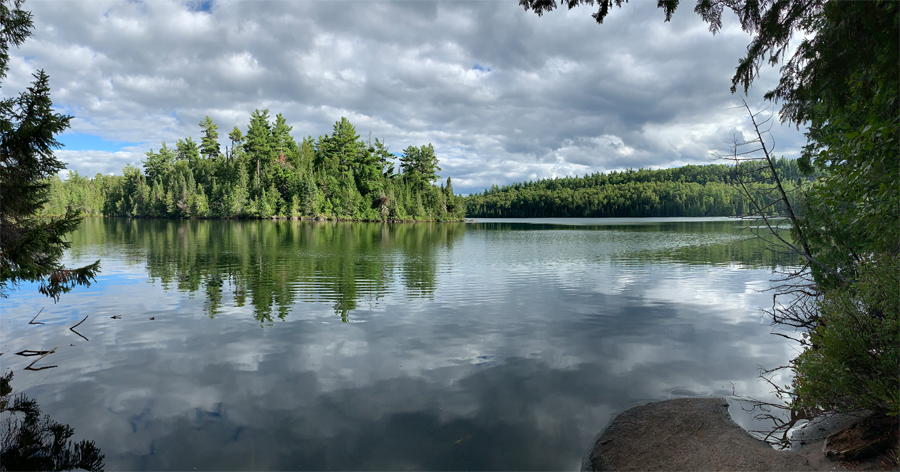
(321, 219)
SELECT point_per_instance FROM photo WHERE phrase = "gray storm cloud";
(503, 95)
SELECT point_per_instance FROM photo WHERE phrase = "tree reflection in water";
(29, 441)
(272, 265)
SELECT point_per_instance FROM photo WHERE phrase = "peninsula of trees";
(691, 190)
(266, 174)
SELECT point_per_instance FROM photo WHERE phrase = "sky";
(503, 95)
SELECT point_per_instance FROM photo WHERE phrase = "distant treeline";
(691, 190)
(266, 174)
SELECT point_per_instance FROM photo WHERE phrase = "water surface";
(498, 344)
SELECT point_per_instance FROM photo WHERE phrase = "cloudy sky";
(502, 94)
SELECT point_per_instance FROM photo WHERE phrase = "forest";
(265, 173)
(692, 190)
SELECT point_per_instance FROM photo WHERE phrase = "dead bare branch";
(72, 329)
(46, 353)
(29, 353)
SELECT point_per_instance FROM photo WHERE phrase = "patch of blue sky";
(25, 300)
(74, 141)
(201, 5)
(104, 282)
(481, 68)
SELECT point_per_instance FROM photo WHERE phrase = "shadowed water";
(500, 344)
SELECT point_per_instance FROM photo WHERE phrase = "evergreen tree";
(282, 143)
(385, 159)
(237, 138)
(335, 175)
(187, 150)
(31, 248)
(338, 153)
(258, 145)
(420, 165)
(209, 144)
(408, 161)
(158, 164)
(368, 171)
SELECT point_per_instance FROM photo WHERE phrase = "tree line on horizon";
(169, 187)
(691, 190)
(265, 173)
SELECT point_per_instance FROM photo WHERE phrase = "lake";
(294, 345)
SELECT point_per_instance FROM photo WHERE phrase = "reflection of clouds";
(707, 287)
(340, 398)
(511, 354)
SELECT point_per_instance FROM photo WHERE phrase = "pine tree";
(282, 143)
(385, 159)
(187, 150)
(339, 151)
(258, 144)
(419, 165)
(237, 138)
(209, 144)
(408, 163)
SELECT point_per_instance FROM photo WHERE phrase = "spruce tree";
(31, 247)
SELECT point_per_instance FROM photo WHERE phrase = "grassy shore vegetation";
(690, 190)
(266, 174)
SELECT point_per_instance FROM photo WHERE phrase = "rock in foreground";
(689, 434)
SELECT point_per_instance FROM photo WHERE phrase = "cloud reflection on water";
(506, 363)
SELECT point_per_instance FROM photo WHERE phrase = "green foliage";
(681, 191)
(31, 247)
(419, 165)
(158, 164)
(854, 354)
(335, 176)
(209, 145)
(854, 140)
(187, 150)
(848, 90)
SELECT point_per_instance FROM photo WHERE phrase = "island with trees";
(265, 173)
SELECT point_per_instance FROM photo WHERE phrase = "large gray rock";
(689, 434)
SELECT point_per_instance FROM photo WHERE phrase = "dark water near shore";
(299, 345)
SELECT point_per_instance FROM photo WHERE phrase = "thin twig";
(29, 353)
(72, 329)
(39, 358)
(82, 321)
(81, 335)
(35, 317)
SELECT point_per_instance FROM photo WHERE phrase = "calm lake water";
(499, 344)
